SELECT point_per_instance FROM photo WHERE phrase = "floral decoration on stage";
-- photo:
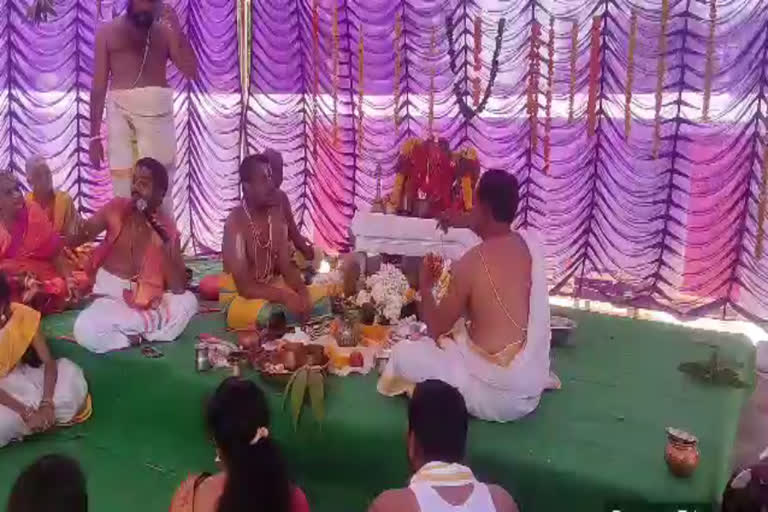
(431, 179)
(387, 291)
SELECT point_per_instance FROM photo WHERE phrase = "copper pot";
(681, 453)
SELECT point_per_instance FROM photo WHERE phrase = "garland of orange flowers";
(478, 59)
(316, 78)
(574, 55)
(550, 84)
(709, 69)
(594, 76)
(630, 74)
(762, 206)
(360, 80)
(335, 58)
(398, 64)
(432, 72)
(533, 84)
(660, 72)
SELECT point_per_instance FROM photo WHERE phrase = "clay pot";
(681, 453)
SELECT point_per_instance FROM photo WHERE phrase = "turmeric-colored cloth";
(61, 212)
(28, 251)
(184, 498)
(25, 383)
(245, 313)
(151, 281)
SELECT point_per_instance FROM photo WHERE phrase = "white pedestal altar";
(378, 233)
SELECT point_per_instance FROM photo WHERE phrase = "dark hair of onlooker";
(54, 483)
(438, 418)
(501, 192)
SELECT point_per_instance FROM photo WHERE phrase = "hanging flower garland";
(762, 206)
(660, 72)
(574, 55)
(478, 59)
(335, 57)
(630, 74)
(550, 85)
(594, 76)
(315, 78)
(467, 111)
(432, 72)
(709, 69)
(533, 84)
(360, 80)
(398, 65)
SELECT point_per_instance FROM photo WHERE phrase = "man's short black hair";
(438, 418)
(249, 164)
(501, 192)
(54, 482)
(159, 173)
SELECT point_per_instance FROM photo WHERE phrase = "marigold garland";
(432, 72)
(533, 84)
(574, 55)
(762, 206)
(661, 69)
(550, 85)
(630, 74)
(594, 76)
(398, 64)
(709, 68)
(335, 57)
(361, 83)
(478, 59)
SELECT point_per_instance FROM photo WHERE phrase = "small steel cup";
(202, 363)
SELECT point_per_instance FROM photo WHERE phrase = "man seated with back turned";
(260, 279)
(437, 439)
(140, 275)
(498, 354)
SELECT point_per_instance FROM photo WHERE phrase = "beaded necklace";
(266, 274)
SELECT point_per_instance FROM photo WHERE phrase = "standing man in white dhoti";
(131, 56)
(140, 278)
(497, 355)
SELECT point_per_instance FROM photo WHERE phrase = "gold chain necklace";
(266, 274)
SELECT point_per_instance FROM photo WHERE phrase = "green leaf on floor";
(714, 371)
(317, 395)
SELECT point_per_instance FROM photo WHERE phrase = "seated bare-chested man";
(140, 274)
(260, 279)
(437, 439)
(499, 356)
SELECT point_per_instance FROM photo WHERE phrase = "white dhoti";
(109, 322)
(491, 392)
(140, 124)
(25, 384)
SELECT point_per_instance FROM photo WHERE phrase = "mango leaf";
(287, 390)
(317, 395)
(298, 390)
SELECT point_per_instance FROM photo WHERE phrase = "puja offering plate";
(562, 327)
(347, 360)
(279, 364)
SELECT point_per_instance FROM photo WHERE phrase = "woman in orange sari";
(253, 475)
(31, 253)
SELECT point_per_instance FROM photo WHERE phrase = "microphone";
(141, 205)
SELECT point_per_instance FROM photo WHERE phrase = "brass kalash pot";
(681, 453)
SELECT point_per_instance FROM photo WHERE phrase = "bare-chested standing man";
(131, 56)
(499, 357)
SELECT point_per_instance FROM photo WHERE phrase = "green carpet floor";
(600, 439)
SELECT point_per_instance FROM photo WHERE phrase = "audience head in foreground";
(747, 491)
(437, 438)
(259, 188)
(52, 483)
(253, 474)
(498, 195)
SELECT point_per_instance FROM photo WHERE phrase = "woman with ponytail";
(253, 476)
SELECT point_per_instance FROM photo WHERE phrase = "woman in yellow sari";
(37, 392)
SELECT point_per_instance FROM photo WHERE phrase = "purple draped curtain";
(598, 106)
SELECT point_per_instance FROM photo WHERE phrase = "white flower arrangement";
(386, 290)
